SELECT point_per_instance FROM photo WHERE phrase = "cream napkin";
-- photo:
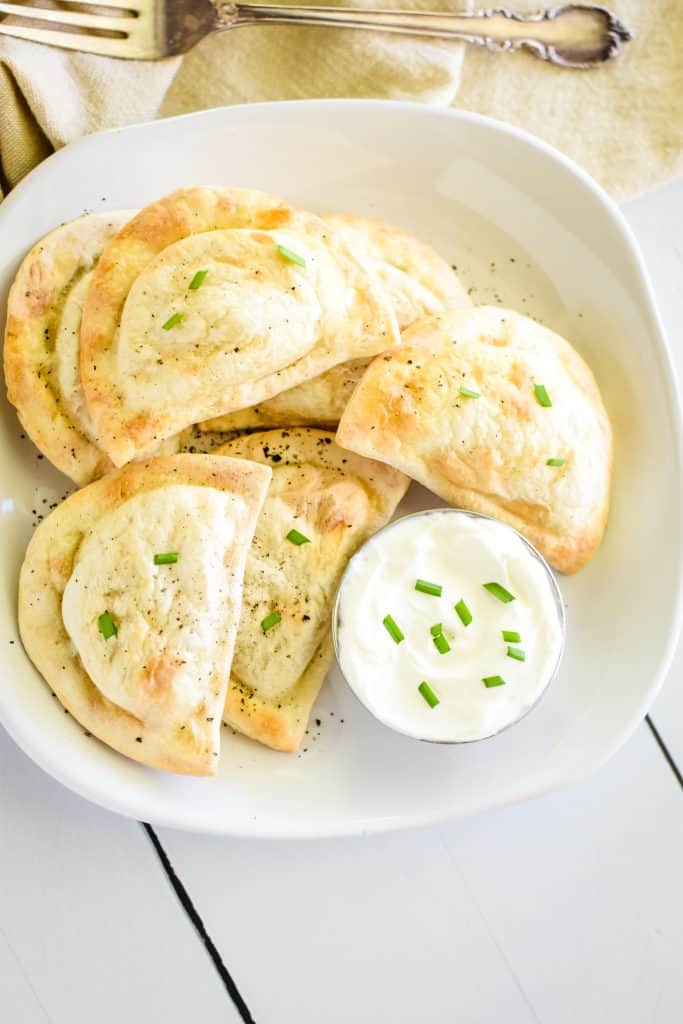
(68, 95)
(623, 122)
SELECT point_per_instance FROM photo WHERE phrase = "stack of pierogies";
(178, 590)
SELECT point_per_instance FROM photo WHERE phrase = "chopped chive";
(511, 637)
(176, 318)
(198, 280)
(106, 625)
(297, 538)
(517, 653)
(499, 591)
(270, 621)
(441, 643)
(428, 694)
(293, 257)
(166, 558)
(392, 629)
(490, 681)
(468, 392)
(428, 588)
(542, 396)
(556, 462)
(464, 614)
(435, 630)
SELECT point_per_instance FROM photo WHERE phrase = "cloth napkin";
(624, 122)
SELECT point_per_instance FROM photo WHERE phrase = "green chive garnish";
(435, 630)
(293, 257)
(297, 538)
(198, 280)
(392, 629)
(428, 694)
(270, 621)
(556, 462)
(428, 588)
(511, 637)
(490, 681)
(441, 643)
(166, 558)
(517, 653)
(500, 592)
(464, 614)
(468, 393)
(176, 318)
(542, 396)
(106, 625)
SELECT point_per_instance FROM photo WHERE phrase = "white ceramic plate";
(524, 226)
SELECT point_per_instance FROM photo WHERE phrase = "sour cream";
(459, 552)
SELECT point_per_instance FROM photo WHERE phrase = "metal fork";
(573, 36)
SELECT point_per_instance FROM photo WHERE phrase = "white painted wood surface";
(90, 930)
(568, 910)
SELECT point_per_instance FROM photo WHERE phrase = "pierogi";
(496, 414)
(212, 300)
(129, 599)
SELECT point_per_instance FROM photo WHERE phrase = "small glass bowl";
(559, 607)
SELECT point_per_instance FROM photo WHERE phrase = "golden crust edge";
(279, 728)
(39, 414)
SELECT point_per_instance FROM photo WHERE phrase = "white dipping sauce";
(461, 552)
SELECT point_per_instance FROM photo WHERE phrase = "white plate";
(523, 225)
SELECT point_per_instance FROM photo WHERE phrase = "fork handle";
(574, 35)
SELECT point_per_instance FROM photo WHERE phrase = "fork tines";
(78, 26)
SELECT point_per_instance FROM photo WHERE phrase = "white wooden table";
(568, 910)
